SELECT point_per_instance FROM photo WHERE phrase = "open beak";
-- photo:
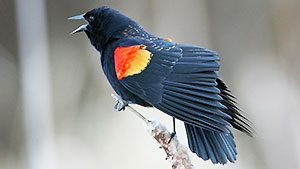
(80, 28)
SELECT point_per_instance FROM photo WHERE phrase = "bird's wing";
(144, 77)
(180, 80)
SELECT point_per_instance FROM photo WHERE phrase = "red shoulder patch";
(131, 60)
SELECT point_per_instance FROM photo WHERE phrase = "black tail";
(219, 147)
(216, 146)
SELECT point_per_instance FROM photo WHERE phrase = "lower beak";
(80, 28)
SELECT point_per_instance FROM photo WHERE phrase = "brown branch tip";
(177, 154)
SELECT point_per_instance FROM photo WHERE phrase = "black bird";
(181, 80)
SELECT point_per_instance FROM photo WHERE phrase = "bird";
(178, 79)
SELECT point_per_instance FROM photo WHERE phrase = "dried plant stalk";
(177, 154)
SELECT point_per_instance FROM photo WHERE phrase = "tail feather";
(217, 146)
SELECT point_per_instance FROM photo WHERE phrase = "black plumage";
(180, 80)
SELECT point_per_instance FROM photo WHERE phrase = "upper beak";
(80, 28)
(77, 17)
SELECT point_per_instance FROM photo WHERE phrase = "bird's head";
(102, 25)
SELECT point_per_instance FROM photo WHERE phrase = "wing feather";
(181, 80)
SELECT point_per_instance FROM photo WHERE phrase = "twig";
(139, 115)
(117, 98)
(177, 154)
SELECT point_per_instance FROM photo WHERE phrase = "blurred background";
(55, 105)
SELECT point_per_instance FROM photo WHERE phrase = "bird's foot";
(173, 134)
(121, 104)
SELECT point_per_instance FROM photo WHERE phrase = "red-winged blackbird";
(180, 80)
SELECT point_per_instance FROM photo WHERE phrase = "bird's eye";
(91, 19)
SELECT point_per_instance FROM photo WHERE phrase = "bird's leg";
(173, 134)
(121, 104)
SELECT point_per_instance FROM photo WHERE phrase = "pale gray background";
(68, 122)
